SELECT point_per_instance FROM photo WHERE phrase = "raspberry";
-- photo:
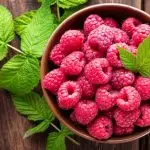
(126, 118)
(88, 90)
(120, 36)
(110, 113)
(129, 99)
(142, 85)
(73, 64)
(92, 22)
(111, 22)
(101, 128)
(53, 80)
(69, 94)
(123, 131)
(106, 99)
(106, 87)
(72, 40)
(85, 111)
(101, 38)
(122, 78)
(98, 71)
(144, 119)
(129, 25)
(142, 32)
(90, 53)
(72, 117)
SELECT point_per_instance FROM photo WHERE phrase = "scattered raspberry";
(88, 90)
(111, 22)
(69, 94)
(92, 22)
(123, 131)
(142, 32)
(101, 38)
(85, 111)
(144, 119)
(98, 71)
(72, 117)
(142, 85)
(73, 64)
(129, 99)
(129, 25)
(126, 118)
(122, 78)
(56, 55)
(72, 40)
(101, 128)
(53, 80)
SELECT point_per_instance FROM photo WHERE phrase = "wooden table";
(13, 126)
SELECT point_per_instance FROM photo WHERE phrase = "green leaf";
(38, 31)
(43, 126)
(33, 106)
(65, 131)
(51, 2)
(22, 21)
(6, 30)
(128, 59)
(56, 141)
(20, 74)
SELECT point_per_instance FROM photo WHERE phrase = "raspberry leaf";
(20, 74)
(51, 2)
(65, 130)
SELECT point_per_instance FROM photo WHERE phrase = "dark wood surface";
(13, 126)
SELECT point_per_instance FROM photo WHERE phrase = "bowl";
(75, 21)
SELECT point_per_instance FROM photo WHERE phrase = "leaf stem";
(15, 49)
(58, 11)
(68, 137)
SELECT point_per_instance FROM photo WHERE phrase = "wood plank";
(146, 5)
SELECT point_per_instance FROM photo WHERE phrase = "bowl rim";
(48, 99)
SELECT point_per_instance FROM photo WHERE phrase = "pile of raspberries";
(91, 81)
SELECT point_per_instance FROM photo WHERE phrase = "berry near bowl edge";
(105, 10)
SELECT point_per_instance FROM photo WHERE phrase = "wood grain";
(13, 126)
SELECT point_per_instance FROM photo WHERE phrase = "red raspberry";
(129, 99)
(73, 64)
(142, 85)
(72, 117)
(144, 119)
(53, 80)
(88, 90)
(111, 22)
(106, 87)
(92, 22)
(120, 36)
(122, 78)
(90, 53)
(129, 25)
(101, 128)
(106, 99)
(69, 94)
(85, 111)
(126, 118)
(142, 32)
(110, 113)
(101, 38)
(98, 71)
(123, 131)
(72, 40)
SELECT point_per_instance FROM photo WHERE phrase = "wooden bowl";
(118, 12)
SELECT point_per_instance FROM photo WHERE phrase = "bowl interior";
(118, 12)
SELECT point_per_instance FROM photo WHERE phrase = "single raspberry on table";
(111, 22)
(144, 119)
(142, 84)
(129, 99)
(72, 40)
(101, 128)
(126, 118)
(142, 32)
(129, 25)
(53, 80)
(69, 94)
(73, 64)
(98, 71)
(101, 38)
(85, 111)
(92, 22)
(122, 78)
